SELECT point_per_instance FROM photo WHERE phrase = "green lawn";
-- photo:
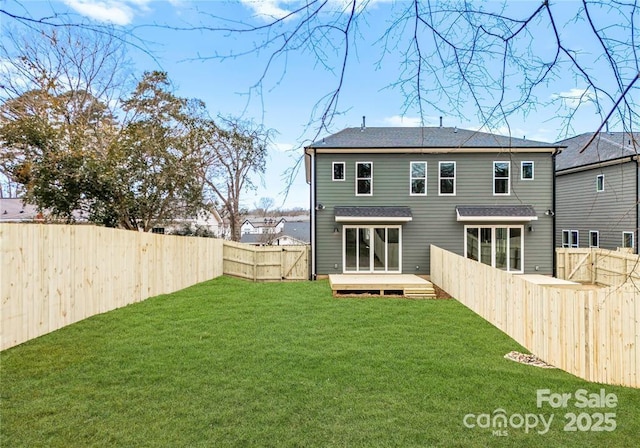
(233, 363)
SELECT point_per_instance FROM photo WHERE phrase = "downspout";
(637, 248)
(313, 214)
(553, 215)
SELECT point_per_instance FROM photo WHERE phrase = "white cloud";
(574, 97)
(267, 9)
(118, 12)
(401, 121)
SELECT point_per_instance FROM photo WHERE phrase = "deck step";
(422, 292)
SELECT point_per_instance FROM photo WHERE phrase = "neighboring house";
(293, 234)
(299, 232)
(264, 225)
(381, 196)
(205, 221)
(15, 210)
(598, 191)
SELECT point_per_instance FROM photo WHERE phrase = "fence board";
(54, 275)
(593, 334)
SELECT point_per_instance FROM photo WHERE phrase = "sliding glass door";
(371, 249)
(500, 247)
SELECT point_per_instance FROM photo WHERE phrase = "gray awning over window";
(496, 213)
(377, 214)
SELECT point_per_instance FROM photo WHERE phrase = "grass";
(233, 363)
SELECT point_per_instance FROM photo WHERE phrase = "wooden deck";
(405, 285)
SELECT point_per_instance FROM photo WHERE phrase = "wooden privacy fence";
(54, 275)
(601, 266)
(264, 263)
(591, 333)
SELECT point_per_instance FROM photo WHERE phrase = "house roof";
(607, 146)
(377, 213)
(264, 222)
(496, 213)
(423, 137)
(256, 238)
(14, 210)
(300, 230)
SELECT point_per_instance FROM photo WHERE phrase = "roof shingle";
(605, 147)
(373, 212)
(422, 137)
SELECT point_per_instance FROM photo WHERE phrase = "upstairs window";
(526, 171)
(600, 182)
(338, 171)
(501, 178)
(418, 183)
(447, 178)
(364, 178)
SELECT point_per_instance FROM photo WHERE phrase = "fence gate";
(294, 263)
(266, 263)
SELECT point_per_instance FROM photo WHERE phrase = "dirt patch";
(441, 293)
(528, 359)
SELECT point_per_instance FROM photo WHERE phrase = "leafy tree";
(70, 154)
(48, 142)
(56, 84)
(151, 173)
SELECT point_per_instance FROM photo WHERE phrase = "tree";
(70, 154)
(56, 83)
(500, 57)
(263, 206)
(233, 153)
(151, 173)
(49, 142)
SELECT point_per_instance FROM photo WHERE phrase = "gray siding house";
(598, 190)
(381, 196)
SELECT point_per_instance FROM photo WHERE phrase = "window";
(371, 249)
(418, 185)
(447, 178)
(600, 182)
(500, 247)
(627, 239)
(526, 171)
(337, 171)
(501, 178)
(570, 238)
(594, 238)
(364, 178)
(158, 230)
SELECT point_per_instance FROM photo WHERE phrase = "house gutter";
(637, 204)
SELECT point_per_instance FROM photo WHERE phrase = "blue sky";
(293, 86)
